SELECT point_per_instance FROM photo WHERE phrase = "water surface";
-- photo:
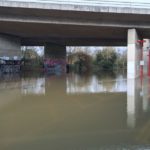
(74, 112)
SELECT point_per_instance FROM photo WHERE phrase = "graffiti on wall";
(54, 65)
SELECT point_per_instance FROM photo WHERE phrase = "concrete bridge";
(56, 24)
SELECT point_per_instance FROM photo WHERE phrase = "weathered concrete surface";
(55, 51)
(72, 25)
(133, 54)
(71, 7)
(10, 46)
(146, 48)
(55, 58)
(133, 101)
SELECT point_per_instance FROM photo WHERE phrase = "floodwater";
(74, 112)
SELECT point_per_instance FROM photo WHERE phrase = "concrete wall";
(55, 51)
(10, 46)
(55, 57)
(133, 54)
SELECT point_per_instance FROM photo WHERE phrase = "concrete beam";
(74, 41)
(10, 46)
(95, 27)
(71, 7)
(133, 54)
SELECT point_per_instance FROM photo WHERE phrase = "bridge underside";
(36, 34)
(83, 27)
(32, 34)
(63, 25)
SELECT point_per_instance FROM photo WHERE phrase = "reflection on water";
(33, 86)
(133, 100)
(92, 84)
(74, 84)
(74, 112)
(137, 100)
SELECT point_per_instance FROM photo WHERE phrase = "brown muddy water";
(74, 112)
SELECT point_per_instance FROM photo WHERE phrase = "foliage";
(81, 62)
(121, 62)
(32, 59)
(30, 54)
(105, 59)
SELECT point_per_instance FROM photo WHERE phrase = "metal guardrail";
(111, 3)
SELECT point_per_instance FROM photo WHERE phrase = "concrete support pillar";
(10, 46)
(146, 91)
(146, 57)
(133, 101)
(55, 57)
(133, 54)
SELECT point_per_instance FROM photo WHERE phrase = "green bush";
(82, 63)
(105, 59)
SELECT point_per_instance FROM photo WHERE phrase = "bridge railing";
(111, 3)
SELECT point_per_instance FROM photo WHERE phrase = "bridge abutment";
(133, 54)
(55, 58)
(10, 46)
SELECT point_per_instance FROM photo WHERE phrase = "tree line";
(104, 60)
(80, 60)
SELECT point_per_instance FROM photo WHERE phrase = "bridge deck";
(111, 3)
(74, 23)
